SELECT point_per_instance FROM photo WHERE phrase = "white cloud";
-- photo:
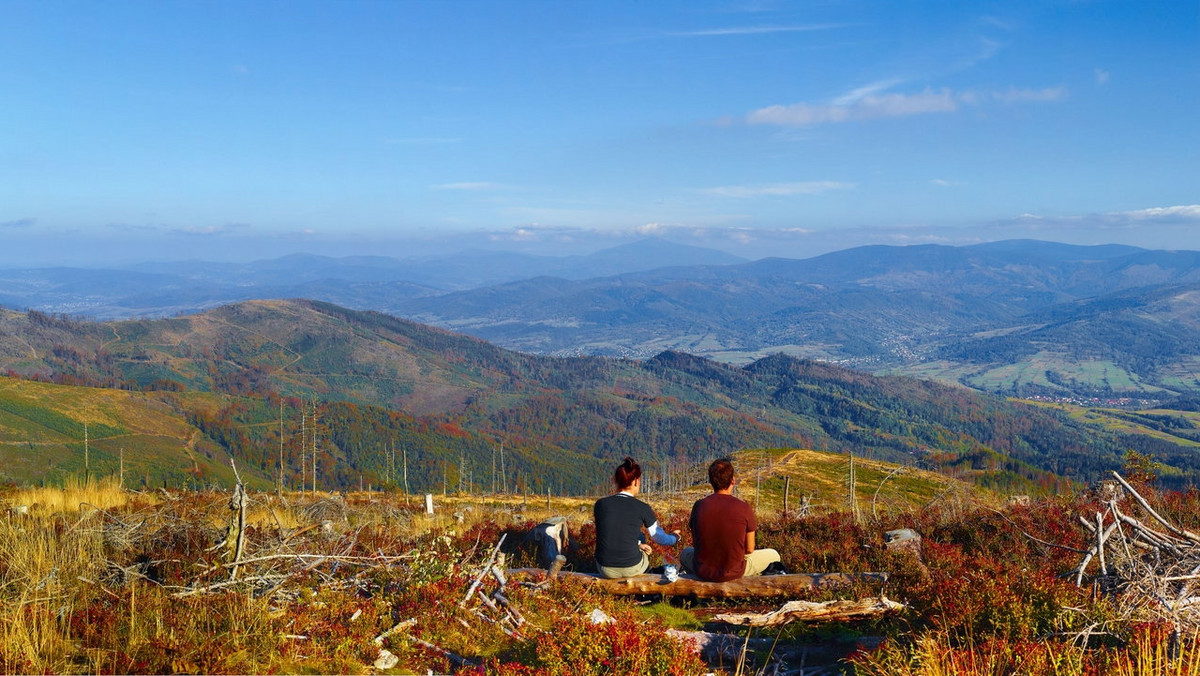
(652, 229)
(778, 189)
(865, 107)
(1185, 215)
(867, 103)
(1101, 77)
(943, 183)
(855, 95)
(1185, 212)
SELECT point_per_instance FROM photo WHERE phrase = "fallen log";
(762, 586)
(809, 611)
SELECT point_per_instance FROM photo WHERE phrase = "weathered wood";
(763, 586)
(482, 574)
(1185, 534)
(237, 526)
(809, 611)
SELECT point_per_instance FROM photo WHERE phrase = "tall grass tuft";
(934, 655)
(1150, 653)
(42, 560)
(103, 492)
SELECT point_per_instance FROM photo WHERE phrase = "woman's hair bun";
(627, 472)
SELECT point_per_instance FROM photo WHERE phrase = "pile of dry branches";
(1149, 564)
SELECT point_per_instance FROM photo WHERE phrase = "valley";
(1016, 318)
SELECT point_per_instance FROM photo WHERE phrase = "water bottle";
(670, 572)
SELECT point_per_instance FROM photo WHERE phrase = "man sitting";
(723, 532)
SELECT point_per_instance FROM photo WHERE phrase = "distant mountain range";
(1018, 317)
(252, 380)
(365, 282)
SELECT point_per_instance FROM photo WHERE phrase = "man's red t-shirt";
(719, 524)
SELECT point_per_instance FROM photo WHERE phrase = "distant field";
(1184, 375)
(1117, 421)
(1050, 370)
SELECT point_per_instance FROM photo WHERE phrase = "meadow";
(99, 579)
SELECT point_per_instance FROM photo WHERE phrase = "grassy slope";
(599, 408)
(822, 478)
(42, 434)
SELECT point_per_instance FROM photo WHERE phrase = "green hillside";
(366, 393)
(46, 430)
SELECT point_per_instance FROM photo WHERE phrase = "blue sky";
(239, 130)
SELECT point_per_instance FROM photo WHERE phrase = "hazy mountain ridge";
(920, 309)
(159, 289)
(1002, 316)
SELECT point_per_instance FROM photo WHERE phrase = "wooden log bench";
(763, 586)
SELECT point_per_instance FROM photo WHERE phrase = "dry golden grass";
(76, 494)
(44, 558)
(934, 655)
(1147, 657)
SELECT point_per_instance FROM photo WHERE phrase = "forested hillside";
(368, 394)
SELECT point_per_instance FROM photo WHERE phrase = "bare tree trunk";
(787, 488)
(809, 611)
(279, 485)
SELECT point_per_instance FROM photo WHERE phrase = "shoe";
(776, 568)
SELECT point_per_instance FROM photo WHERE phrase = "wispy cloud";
(859, 93)
(1101, 77)
(867, 103)
(1184, 212)
(1180, 215)
(19, 223)
(778, 189)
(944, 183)
(864, 107)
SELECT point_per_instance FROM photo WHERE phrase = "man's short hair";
(720, 474)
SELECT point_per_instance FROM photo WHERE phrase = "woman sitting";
(621, 549)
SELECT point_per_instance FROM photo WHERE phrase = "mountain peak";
(653, 252)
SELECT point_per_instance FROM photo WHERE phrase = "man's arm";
(750, 542)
